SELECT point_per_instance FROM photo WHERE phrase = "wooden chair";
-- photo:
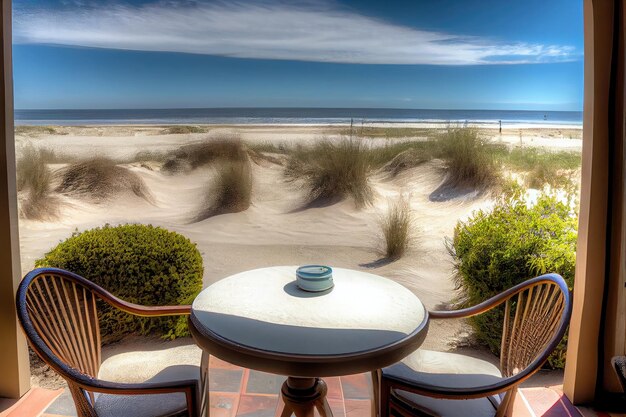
(619, 367)
(536, 316)
(57, 310)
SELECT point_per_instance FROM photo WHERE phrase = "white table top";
(264, 309)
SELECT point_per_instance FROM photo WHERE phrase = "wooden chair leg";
(384, 391)
(375, 393)
(204, 385)
(83, 407)
(506, 406)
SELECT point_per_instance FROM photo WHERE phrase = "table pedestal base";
(303, 395)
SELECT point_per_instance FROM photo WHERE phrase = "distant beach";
(305, 116)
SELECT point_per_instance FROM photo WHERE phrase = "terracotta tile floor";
(238, 392)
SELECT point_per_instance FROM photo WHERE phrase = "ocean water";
(294, 116)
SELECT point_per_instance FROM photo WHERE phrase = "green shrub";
(495, 250)
(138, 263)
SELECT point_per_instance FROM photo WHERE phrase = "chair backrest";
(58, 312)
(532, 318)
(536, 316)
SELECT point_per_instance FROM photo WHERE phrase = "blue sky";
(445, 54)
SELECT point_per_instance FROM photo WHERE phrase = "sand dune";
(275, 230)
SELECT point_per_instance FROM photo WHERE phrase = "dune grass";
(544, 167)
(473, 162)
(269, 147)
(195, 155)
(470, 160)
(529, 157)
(99, 179)
(396, 226)
(397, 157)
(181, 129)
(38, 130)
(32, 171)
(386, 132)
(231, 190)
(35, 178)
(545, 174)
(332, 170)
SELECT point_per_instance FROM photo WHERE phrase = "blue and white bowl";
(314, 278)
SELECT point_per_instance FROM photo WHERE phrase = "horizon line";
(283, 108)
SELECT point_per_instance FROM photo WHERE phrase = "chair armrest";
(135, 309)
(148, 311)
(491, 302)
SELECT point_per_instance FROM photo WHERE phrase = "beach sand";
(275, 230)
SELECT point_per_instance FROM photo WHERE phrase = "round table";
(262, 320)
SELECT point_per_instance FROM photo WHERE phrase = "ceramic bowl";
(314, 278)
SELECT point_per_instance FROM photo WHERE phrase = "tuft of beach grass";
(230, 191)
(195, 155)
(332, 170)
(396, 226)
(470, 160)
(34, 177)
(100, 179)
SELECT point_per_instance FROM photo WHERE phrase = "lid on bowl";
(314, 271)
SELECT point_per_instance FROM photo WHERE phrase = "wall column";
(15, 376)
(600, 247)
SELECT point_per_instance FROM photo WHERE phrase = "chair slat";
(529, 325)
(67, 319)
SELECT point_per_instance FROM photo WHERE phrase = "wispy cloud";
(302, 32)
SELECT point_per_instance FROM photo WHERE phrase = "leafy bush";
(138, 263)
(396, 226)
(496, 250)
(332, 170)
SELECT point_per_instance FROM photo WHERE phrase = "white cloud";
(301, 32)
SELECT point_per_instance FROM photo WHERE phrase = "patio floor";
(239, 392)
